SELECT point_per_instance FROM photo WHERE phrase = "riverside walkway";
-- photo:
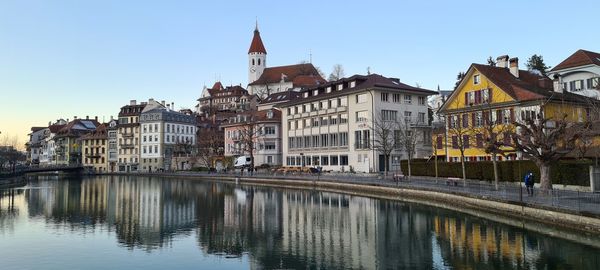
(570, 201)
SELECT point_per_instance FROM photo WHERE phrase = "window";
(269, 130)
(343, 160)
(421, 118)
(407, 116)
(324, 160)
(465, 120)
(506, 138)
(396, 98)
(315, 122)
(389, 115)
(362, 138)
(333, 160)
(479, 140)
(361, 98)
(439, 142)
(408, 99)
(315, 141)
(324, 140)
(333, 139)
(454, 142)
(465, 142)
(421, 100)
(593, 83)
(270, 146)
(290, 125)
(343, 138)
(476, 79)
(361, 116)
(343, 118)
(343, 101)
(324, 120)
(333, 119)
(384, 97)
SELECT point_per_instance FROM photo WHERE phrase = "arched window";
(253, 61)
(259, 61)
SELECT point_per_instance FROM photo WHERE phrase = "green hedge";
(568, 172)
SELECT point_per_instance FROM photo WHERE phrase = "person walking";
(529, 182)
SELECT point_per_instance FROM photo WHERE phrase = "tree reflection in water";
(280, 228)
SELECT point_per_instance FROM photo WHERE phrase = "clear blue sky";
(59, 59)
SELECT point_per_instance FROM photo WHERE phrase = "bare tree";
(337, 73)
(406, 135)
(459, 133)
(10, 156)
(249, 132)
(545, 140)
(210, 144)
(384, 142)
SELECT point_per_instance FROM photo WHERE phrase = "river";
(128, 222)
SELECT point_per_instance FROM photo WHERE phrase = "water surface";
(118, 222)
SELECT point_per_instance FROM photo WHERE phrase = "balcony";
(127, 135)
(127, 145)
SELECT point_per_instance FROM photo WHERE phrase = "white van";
(242, 162)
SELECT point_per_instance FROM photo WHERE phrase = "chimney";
(502, 61)
(132, 102)
(150, 100)
(557, 84)
(96, 118)
(87, 117)
(162, 102)
(169, 106)
(172, 105)
(75, 117)
(514, 66)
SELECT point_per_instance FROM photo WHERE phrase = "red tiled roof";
(217, 86)
(257, 44)
(579, 58)
(290, 73)
(528, 86)
(308, 81)
(55, 128)
(99, 133)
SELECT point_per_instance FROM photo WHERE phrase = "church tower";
(257, 57)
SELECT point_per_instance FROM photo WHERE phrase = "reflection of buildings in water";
(12, 202)
(330, 230)
(148, 212)
(466, 242)
(404, 233)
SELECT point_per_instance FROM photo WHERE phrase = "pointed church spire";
(257, 45)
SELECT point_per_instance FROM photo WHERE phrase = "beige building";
(94, 150)
(128, 137)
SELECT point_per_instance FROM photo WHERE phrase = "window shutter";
(473, 120)
(466, 98)
(490, 95)
(498, 116)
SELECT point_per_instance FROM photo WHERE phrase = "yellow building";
(94, 150)
(490, 99)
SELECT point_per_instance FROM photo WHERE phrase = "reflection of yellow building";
(488, 100)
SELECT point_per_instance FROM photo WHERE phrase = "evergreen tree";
(491, 61)
(536, 62)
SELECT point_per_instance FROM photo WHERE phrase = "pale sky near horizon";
(60, 59)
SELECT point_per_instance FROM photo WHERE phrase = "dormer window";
(476, 79)
(328, 89)
(270, 114)
(340, 86)
(315, 92)
(352, 84)
(305, 94)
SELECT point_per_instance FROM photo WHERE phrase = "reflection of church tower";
(257, 57)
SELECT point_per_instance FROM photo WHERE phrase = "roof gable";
(579, 58)
(257, 45)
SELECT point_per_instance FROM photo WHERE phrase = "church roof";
(579, 58)
(257, 44)
(303, 74)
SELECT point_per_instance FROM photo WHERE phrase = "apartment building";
(332, 125)
(128, 137)
(113, 150)
(256, 131)
(167, 137)
(95, 154)
(579, 74)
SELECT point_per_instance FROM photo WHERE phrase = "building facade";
(167, 138)
(112, 141)
(68, 140)
(332, 126)
(490, 99)
(95, 146)
(579, 74)
(128, 137)
(259, 132)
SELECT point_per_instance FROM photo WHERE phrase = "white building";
(34, 145)
(331, 125)
(47, 145)
(113, 150)
(578, 74)
(165, 135)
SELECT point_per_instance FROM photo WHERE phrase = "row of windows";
(318, 121)
(479, 119)
(94, 160)
(168, 127)
(94, 142)
(97, 151)
(316, 141)
(131, 160)
(321, 160)
(149, 148)
(483, 96)
(466, 141)
(578, 85)
(319, 105)
(396, 98)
